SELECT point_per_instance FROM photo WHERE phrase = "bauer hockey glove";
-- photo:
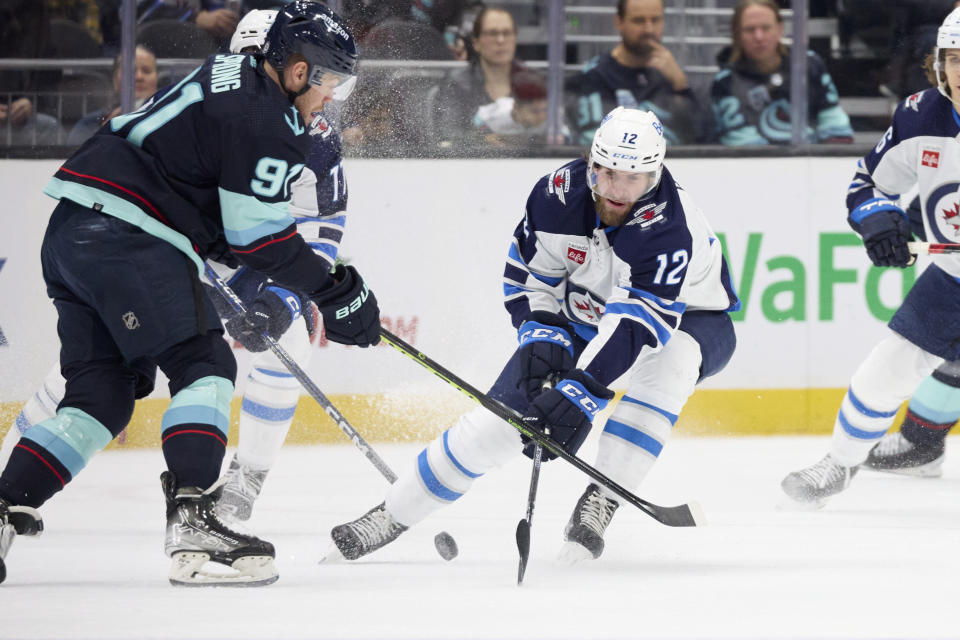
(271, 313)
(885, 230)
(349, 309)
(545, 350)
(568, 410)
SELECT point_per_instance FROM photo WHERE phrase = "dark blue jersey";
(208, 166)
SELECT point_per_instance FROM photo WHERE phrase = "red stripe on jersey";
(47, 464)
(119, 188)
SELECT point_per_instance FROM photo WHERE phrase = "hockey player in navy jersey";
(318, 205)
(613, 274)
(200, 171)
(919, 150)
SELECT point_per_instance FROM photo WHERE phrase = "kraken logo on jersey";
(943, 212)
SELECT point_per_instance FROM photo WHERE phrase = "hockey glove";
(545, 349)
(271, 313)
(568, 410)
(349, 309)
(885, 230)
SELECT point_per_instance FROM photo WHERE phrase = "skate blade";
(189, 569)
(332, 555)
(572, 553)
(930, 470)
(789, 503)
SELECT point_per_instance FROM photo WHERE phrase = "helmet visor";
(342, 83)
(625, 187)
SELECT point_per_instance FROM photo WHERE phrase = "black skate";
(16, 521)
(196, 536)
(587, 524)
(240, 489)
(812, 486)
(367, 533)
(895, 454)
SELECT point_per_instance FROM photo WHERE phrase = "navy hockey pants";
(127, 302)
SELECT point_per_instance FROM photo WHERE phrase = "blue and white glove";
(545, 350)
(567, 410)
(885, 229)
(271, 313)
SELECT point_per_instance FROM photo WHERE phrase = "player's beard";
(608, 215)
(642, 47)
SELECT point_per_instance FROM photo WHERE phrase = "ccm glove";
(567, 410)
(885, 230)
(349, 308)
(545, 350)
(271, 313)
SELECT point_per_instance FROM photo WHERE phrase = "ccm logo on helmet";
(354, 304)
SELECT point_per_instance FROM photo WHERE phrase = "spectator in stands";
(751, 95)
(642, 73)
(218, 18)
(145, 85)
(519, 119)
(485, 80)
(915, 34)
(27, 98)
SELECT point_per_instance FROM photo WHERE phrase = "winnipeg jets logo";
(951, 218)
(648, 214)
(943, 212)
(913, 102)
(559, 183)
(319, 126)
(586, 308)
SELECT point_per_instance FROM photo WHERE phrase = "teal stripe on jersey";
(246, 219)
(206, 401)
(120, 208)
(72, 436)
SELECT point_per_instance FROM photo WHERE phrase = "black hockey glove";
(272, 312)
(349, 308)
(568, 411)
(885, 230)
(545, 350)
(244, 282)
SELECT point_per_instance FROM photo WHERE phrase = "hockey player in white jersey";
(318, 205)
(613, 274)
(920, 149)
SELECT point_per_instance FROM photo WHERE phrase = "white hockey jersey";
(920, 149)
(625, 288)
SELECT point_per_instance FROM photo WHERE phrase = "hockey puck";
(446, 546)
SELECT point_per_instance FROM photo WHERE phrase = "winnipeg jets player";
(613, 274)
(200, 171)
(920, 149)
(318, 205)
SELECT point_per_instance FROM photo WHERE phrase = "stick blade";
(684, 515)
(523, 546)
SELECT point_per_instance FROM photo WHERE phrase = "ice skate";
(367, 533)
(812, 486)
(588, 522)
(196, 536)
(16, 521)
(895, 454)
(240, 489)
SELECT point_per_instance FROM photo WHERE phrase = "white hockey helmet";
(629, 140)
(252, 30)
(948, 37)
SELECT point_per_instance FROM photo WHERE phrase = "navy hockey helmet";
(319, 35)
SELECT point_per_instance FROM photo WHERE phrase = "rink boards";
(430, 237)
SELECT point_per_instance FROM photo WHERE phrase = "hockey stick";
(444, 542)
(931, 248)
(684, 515)
(523, 527)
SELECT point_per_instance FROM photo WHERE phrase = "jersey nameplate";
(225, 75)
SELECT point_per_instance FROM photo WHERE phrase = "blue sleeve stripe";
(512, 290)
(431, 482)
(339, 221)
(637, 311)
(462, 469)
(265, 413)
(865, 410)
(859, 434)
(275, 374)
(634, 436)
(676, 306)
(22, 423)
(672, 417)
(548, 280)
(514, 253)
(324, 248)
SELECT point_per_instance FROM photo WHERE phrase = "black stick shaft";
(679, 516)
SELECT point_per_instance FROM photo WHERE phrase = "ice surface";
(881, 560)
